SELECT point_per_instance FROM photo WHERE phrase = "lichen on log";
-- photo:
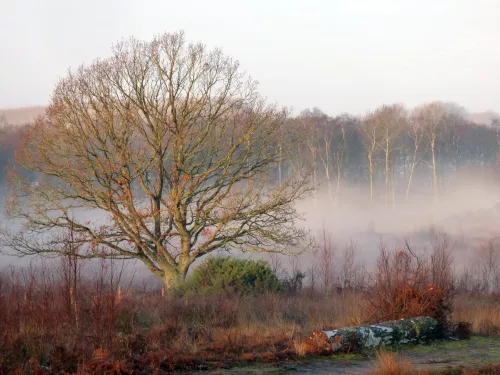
(395, 332)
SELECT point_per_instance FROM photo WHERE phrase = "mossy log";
(395, 332)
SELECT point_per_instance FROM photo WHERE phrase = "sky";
(337, 55)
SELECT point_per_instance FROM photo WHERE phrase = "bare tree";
(341, 146)
(166, 142)
(489, 264)
(326, 154)
(347, 268)
(372, 133)
(312, 271)
(325, 261)
(391, 120)
(332, 149)
(310, 123)
(70, 270)
(381, 130)
(431, 118)
(416, 132)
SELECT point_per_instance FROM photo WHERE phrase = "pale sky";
(338, 55)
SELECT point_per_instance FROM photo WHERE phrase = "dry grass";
(39, 316)
(470, 371)
(392, 364)
(37, 324)
(98, 324)
(483, 312)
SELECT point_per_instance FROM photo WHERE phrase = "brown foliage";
(317, 344)
(406, 285)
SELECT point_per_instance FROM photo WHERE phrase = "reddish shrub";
(406, 285)
(249, 357)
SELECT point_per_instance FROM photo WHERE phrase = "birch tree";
(340, 151)
(392, 120)
(416, 133)
(326, 154)
(431, 117)
(310, 122)
(372, 135)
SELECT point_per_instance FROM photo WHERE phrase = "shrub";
(293, 284)
(228, 275)
(461, 330)
(406, 285)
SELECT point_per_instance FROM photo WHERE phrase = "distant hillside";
(483, 117)
(21, 116)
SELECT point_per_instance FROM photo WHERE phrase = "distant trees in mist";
(391, 152)
(394, 151)
(10, 138)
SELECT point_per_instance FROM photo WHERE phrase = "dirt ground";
(476, 352)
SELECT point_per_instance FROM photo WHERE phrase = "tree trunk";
(434, 172)
(396, 332)
(315, 175)
(393, 187)
(280, 177)
(387, 170)
(371, 176)
(337, 191)
(176, 275)
(412, 169)
(328, 180)
(173, 279)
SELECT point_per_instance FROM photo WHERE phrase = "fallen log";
(354, 339)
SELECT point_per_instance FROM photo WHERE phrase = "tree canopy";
(172, 145)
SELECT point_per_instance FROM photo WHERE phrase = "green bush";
(228, 275)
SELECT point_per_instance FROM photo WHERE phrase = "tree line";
(392, 151)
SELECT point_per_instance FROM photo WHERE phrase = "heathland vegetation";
(167, 154)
